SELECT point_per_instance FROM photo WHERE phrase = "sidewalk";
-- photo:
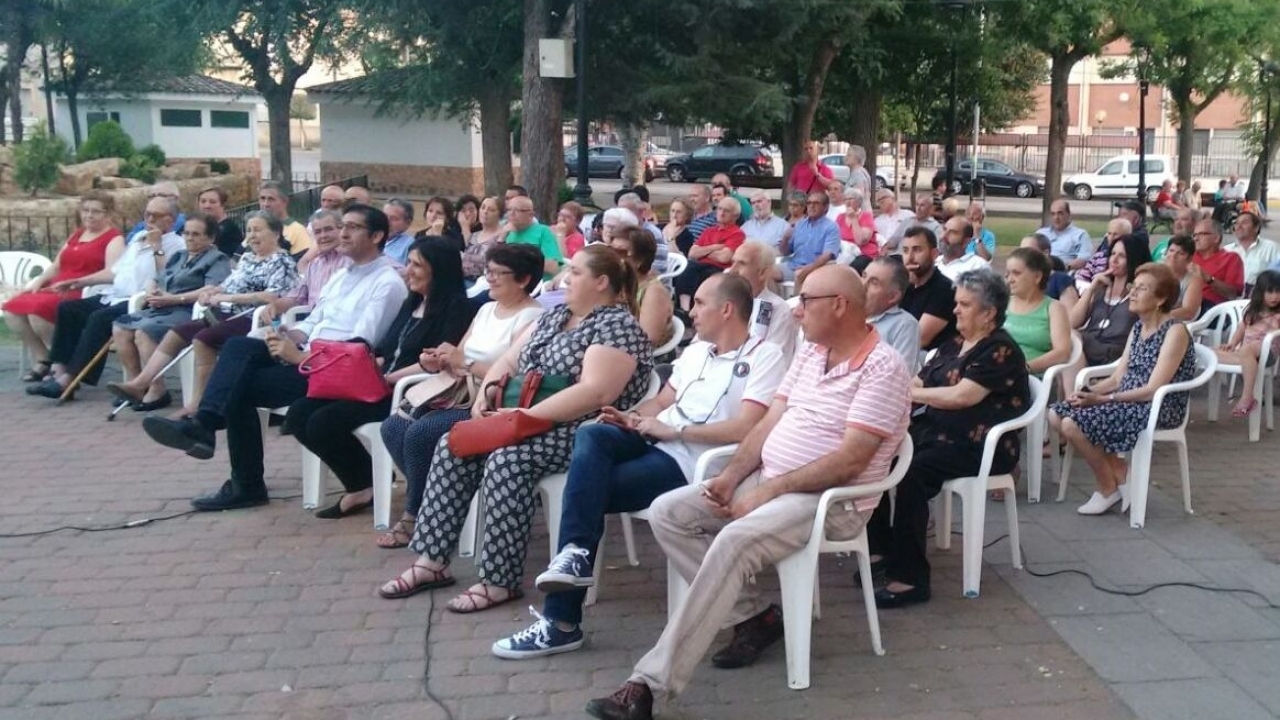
(270, 613)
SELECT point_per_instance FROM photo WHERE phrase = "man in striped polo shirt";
(836, 420)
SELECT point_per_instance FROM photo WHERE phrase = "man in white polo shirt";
(836, 421)
(770, 317)
(719, 388)
(955, 260)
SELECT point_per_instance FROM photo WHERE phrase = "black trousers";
(81, 329)
(687, 282)
(245, 378)
(324, 427)
(903, 543)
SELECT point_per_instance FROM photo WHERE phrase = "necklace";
(409, 326)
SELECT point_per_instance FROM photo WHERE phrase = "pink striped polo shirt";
(870, 391)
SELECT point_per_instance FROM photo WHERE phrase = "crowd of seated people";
(817, 392)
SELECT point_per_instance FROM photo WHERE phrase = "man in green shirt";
(521, 228)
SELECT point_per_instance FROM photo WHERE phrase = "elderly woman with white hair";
(613, 222)
(859, 179)
(857, 231)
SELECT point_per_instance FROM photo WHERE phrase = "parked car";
(996, 177)
(602, 161)
(742, 162)
(657, 155)
(835, 161)
(1118, 177)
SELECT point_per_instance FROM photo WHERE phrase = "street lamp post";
(956, 7)
(582, 190)
(1143, 87)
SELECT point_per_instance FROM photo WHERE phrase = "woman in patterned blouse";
(974, 382)
(594, 340)
(259, 278)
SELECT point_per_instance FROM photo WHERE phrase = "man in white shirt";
(954, 261)
(83, 326)
(923, 217)
(1235, 189)
(359, 301)
(1257, 253)
(889, 219)
(886, 280)
(771, 319)
(719, 389)
(764, 225)
(1068, 242)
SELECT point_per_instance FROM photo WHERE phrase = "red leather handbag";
(338, 370)
(501, 429)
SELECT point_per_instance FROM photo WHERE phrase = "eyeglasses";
(815, 202)
(353, 227)
(804, 299)
(1140, 289)
(154, 216)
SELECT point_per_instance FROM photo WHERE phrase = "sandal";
(1240, 411)
(478, 600)
(398, 536)
(36, 374)
(415, 580)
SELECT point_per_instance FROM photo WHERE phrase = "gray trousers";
(718, 557)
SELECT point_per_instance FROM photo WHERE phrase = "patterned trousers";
(508, 478)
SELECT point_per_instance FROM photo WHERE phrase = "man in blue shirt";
(814, 241)
(400, 217)
(1069, 242)
(168, 191)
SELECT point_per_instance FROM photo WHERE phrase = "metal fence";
(42, 234)
(302, 203)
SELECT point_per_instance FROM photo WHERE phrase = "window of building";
(93, 118)
(228, 119)
(180, 118)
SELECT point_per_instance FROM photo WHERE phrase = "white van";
(1118, 177)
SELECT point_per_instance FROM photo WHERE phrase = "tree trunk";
(915, 174)
(1059, 116)
(73, 107)
(866, 123)
(278, 127)
(1186, 136)
(495, 137)
(4, 101)
(1271, 139)
(805, 105)
(631, 138)
(15, 95)
(541, 133)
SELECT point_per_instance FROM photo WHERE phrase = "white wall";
(352, 133)
(140, 117)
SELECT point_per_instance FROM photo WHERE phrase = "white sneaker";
(1124, 498)
(1099, 503)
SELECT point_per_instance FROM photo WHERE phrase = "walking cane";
(79, 378)
(167, 367)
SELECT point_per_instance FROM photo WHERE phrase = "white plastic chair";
(1140, 457)
(798, 573)
(973, 494)
(1034, 453)
(480, 286)
(676, 264)
(1263, 386)
(17, 268)
(677, 334)
(551, 490)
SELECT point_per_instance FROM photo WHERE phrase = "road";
(662, 191)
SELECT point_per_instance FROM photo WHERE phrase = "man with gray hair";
(163, 189)
(638, 207)
(764, 225)
(886, 280)
(923, 217)
(704, 212)
(954, 261)
(859, 179)
(771, 319)
(400, 216)
(889, 221)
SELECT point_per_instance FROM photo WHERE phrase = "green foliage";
(153, 153)
(106, 140)
(36, 160)
(300, 109)
(564, 194)
(219, 166)
(139, 167)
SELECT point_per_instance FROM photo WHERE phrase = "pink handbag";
(343, 371)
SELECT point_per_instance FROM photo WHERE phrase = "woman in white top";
(513, 272)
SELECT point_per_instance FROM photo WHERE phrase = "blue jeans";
(611, 471)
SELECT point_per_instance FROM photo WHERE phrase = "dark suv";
(742, 162)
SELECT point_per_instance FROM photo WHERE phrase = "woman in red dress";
(92, 247)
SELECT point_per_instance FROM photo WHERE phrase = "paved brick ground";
(270, 613)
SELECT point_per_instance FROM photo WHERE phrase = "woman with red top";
(95, 245)
(566, 229)
(858, 227)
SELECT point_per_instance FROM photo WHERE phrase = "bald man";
(836, 421)
(356, 195)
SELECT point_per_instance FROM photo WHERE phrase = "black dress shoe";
(159, 403)
(632, 701)
(878, 576)
(187, 435)
(750, 638)
(228, 498)
(335, 511)
(46, 388)
(886, 599)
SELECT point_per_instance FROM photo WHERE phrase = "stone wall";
(387, 179)
(41, 225)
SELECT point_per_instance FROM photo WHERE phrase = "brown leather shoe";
(632, 701)
(750, 638)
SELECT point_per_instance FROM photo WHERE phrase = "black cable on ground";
(426, 655)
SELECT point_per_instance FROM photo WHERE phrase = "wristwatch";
(467, 365)
(158, 252)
